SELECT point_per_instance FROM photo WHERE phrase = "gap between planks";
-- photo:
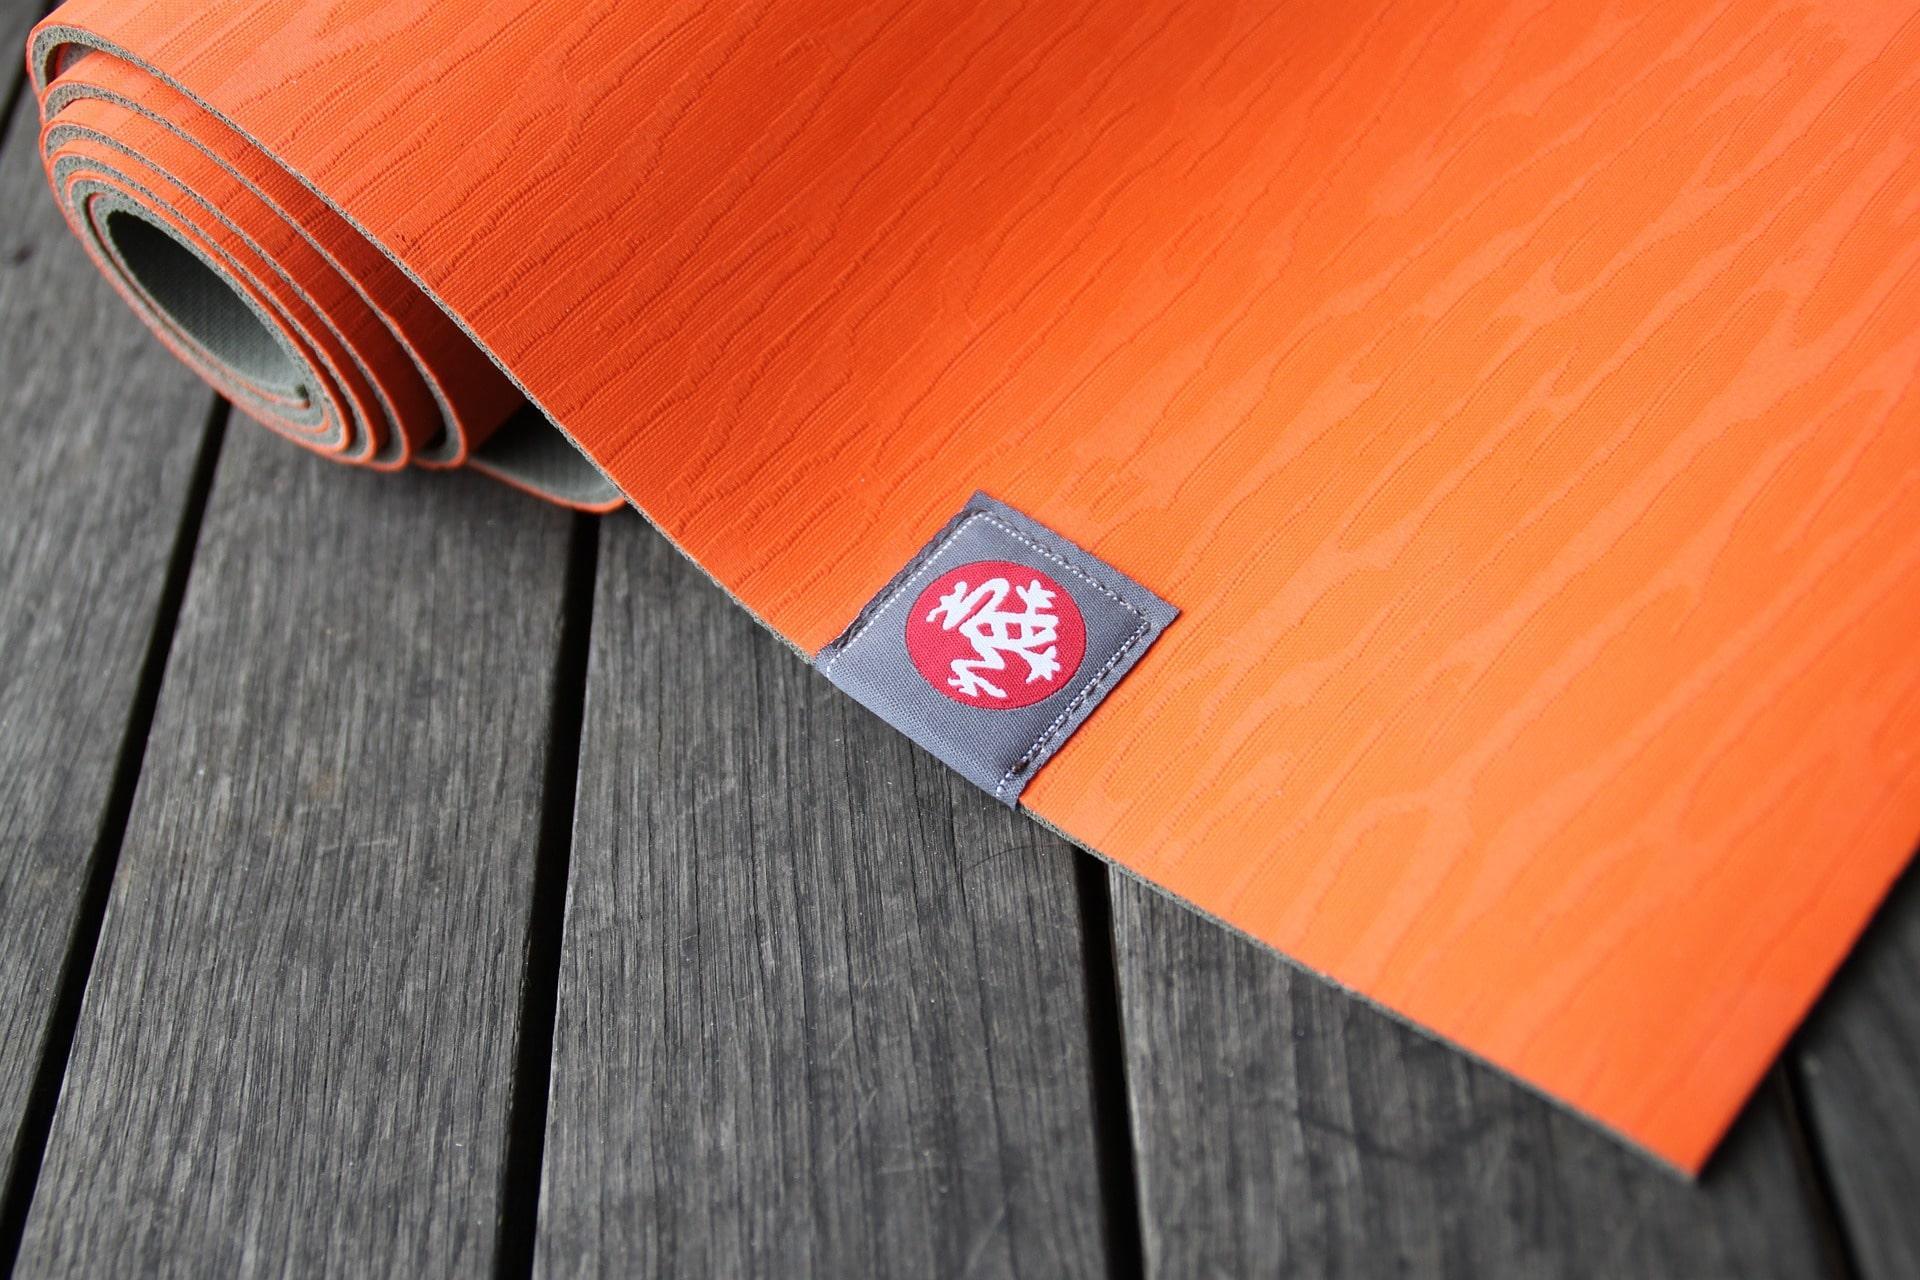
(44, 1094)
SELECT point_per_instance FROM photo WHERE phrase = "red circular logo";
(996, 634)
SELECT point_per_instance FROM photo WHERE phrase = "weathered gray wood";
(1282, 1127)
(297, 1046)
(16, 19)
(1859, 1064)
(99, 428)
(821, 1007)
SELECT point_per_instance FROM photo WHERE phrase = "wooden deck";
(401, 877)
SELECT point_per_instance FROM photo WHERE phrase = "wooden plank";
(16, 19)
(821, 1007)
(99, 429)
(297, 1047)
(1283, 1127)
(1857, 1062)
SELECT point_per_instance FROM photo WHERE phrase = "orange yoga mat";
(1516, 401)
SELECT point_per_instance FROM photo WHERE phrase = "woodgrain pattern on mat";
(1516, 399)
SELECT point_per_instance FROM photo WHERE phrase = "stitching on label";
(925, 565)
(1066, 712)
(926, 562)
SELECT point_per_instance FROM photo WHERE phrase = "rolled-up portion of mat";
(1430, 484)
(262, 286)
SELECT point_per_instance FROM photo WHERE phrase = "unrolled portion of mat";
(1517, 403)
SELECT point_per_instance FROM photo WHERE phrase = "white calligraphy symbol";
(995, 632)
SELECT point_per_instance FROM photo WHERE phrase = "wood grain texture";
(1514, 398)
(1859, 1065)
(821, 1007)
(16, 19)
(98, 434)
(297, 1045)
(1285, 1128)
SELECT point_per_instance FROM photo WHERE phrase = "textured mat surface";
(1516, 402)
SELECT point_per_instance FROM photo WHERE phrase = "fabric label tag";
(994, 643)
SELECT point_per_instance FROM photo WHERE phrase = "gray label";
(993, 645)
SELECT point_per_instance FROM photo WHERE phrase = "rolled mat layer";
(1516, 403)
